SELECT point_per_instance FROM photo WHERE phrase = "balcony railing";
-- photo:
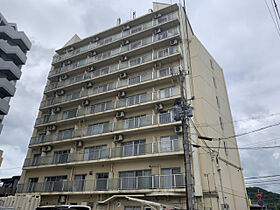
(174, 181)
(124, 151)
(114, 52)
(144, 121)
(122, 103)
(121, 35)
(111, 87)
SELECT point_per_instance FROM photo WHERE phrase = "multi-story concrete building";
(105, 134)
(14, 45)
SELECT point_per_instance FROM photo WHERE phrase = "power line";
(262, 177)
(245, 148)
(275, 24)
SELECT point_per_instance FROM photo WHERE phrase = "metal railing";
(124, 151)
(121, 35)
(173, 181)
(124, 102)
(145, 121)
(105, 55)
(111, 87)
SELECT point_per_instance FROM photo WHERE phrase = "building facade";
(106, 136)
(14, 45)
(9, 186)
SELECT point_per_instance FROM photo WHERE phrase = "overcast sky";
(239, 34)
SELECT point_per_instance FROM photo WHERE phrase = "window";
(46, 118)
(61, 156)
(169, 143)
(218, 101)
(132, 207)
(55, 183)
(171, 178)
(133, 148)
(214, 82)
(69, 114)
(136, 44)
(167, 92)
(101, 72)
(211, 64)
(95, 152)
(136, 29)
(79, 182)
(73, 96)
(221, 123)
(42, 138)
(166, 117)
(103, 88)
(135, 179)
(161, 36)
(137, 99)
(102, 181)
(162, 19)
(65, 134)
(98, 128)
(226, 147)
(137, 79)
(101, 107)
(165, 72)
(32, 184)
(134, 122)
(135, 61)
(162, 53)
(36, 160)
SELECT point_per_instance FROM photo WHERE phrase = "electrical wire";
(262, 177)
(245, 148)
(274, 21)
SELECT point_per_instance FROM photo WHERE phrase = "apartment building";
(14, 45)
(105, 135)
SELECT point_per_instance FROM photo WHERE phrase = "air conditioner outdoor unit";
(124, 58)
(159, 107)
(86, 102)
(93, 53)
(121, 94)
(67, 62)
(79, 143)
(89, 85)
(46, 148)
(178, 129)
(156, 16)
(70, 49)
(120, 115)
(125, 28)
(56, 109)
(52, 128)
(64, 77)
(90, 68)
(173, 42)
(157, 31)
(123, 75)
(60, 92)
(125, 42)
(62, 199)
(96, 39)
(118, 138)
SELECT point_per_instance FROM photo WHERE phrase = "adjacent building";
(105, 135)
(9, 186)
(14, 45)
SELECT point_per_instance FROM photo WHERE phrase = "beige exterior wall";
(218, 177)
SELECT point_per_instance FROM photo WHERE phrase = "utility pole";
(183, 112)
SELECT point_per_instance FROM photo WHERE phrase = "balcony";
(115, 52)
(109, 185)
(108, 128)
(112, 87)
(148, 98)
(116, 37)
(108, 154)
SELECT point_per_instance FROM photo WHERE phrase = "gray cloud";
(239, 34)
